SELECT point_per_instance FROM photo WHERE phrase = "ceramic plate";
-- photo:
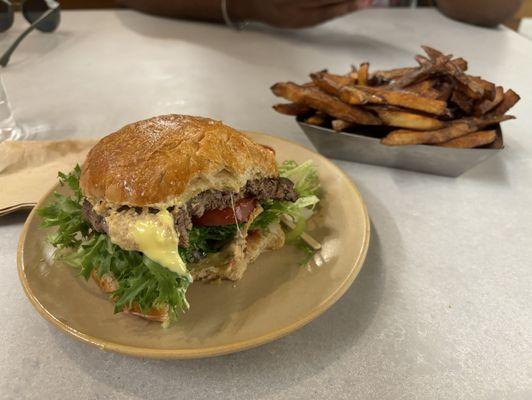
(276, 296)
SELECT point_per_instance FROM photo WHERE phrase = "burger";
(171, 200)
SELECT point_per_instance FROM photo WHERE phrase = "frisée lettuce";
(139, 279)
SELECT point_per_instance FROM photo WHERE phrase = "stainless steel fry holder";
(434, 160)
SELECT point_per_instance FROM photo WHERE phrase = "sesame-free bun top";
(166, 160)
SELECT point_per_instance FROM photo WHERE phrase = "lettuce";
(65, 212)
(306, 184)
(140, 280)
(304, 176)
(206, 239)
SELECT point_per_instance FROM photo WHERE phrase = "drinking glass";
(9, 130)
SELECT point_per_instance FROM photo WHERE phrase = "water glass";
(9, 130)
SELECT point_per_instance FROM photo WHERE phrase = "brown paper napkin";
(28, 169)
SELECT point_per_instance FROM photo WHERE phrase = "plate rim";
(148, 352)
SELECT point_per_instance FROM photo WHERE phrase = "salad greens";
(140, 280)
(304, 176)
(206, 239)
(306, 184)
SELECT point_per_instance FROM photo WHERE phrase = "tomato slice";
(226, 216)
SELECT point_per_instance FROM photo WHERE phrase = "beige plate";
(275, 297)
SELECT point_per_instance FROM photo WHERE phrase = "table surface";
(442, 308)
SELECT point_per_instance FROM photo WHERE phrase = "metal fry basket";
(365, 149)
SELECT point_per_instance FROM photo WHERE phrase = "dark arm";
(280, 13)
(480, 12)
(205, 10)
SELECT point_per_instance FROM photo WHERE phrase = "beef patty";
(260, 189)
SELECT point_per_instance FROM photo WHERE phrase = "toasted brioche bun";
(256, 243)
(166, 160)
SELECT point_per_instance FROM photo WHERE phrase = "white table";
(442, 307)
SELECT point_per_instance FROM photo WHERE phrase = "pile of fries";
(434, 103)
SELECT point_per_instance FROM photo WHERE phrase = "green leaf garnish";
(204, 240)
(140, 280)
(306, 184)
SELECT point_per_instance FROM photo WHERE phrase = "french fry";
(471, 86)
(340, 125)
(316, 119)
(421, 59)
(363, 74)
(400, 98)
(424, 71)
(408, 120)
(331, 83)
(353, 74)
(431, 52)
(460, 63)
(486, 105)
(468, 87)
(381, 77)
(296, 109)
(424, 88)
(444, 90)
(455, 129)
(508, 101)
(489, 87)
(465, 83)
(385, 76)
(462, 101)
(402, 137)
(313, 97)
(435, 54)
(471, 140)
(357, 96)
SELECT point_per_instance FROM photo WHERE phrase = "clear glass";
(9, 130)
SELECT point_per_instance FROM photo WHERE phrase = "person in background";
(307, 13)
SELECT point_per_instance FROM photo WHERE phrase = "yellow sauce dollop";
(157, 238)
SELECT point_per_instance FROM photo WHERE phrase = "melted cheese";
(152, 234)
